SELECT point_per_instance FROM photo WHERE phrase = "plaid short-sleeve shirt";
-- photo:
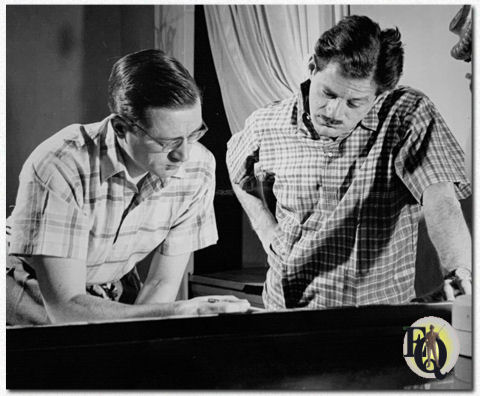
(348, 209)
(75, 200)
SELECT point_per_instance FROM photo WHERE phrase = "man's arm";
(163, 279)
(62, 283)
(262, 220)
(243, 150)
(449, 233)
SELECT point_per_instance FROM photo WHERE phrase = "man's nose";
(180, 154)
(334, 109)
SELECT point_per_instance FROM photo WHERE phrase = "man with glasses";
(96, 199)
(355, 159)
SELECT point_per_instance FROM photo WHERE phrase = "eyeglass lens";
(193, 137)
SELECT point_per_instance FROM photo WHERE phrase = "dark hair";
(362, 49)
(149, 78)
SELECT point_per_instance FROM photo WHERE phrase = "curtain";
(261, 52)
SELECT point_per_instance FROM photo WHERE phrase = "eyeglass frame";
(172, 144)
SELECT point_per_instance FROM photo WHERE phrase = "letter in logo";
(410, 341)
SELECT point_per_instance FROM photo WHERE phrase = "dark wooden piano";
(347, 348)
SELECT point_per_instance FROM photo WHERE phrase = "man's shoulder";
(405, 99)
(405, 108)
(72, 137)
(409, 91)
(65, 150)
(276, 110)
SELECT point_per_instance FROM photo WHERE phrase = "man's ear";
(311, 66)
(120, 126)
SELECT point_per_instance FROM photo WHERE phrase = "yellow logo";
(431, 347)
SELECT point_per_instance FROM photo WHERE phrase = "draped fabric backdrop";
(261, 52)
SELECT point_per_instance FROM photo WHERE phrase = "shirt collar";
(303, 120)
(111, 160)
(370, 121)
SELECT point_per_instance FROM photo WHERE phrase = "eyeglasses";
(168, 145)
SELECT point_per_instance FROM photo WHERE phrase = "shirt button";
(330, 154)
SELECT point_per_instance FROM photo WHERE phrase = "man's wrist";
(269, 236)
(462, 273)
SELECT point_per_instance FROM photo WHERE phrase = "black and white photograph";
(239, 197)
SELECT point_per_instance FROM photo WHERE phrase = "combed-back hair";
(362, 49)
(149, 78)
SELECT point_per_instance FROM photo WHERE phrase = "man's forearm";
(157, 292)
(62, 284)
(448, 231)
(89, 308)
(164, 278)
(86, 308)
(262, 220)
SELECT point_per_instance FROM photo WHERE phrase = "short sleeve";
(242, 150)
(430, 153)
(47, 219)
(196, 227)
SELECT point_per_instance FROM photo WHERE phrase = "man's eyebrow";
(176, 138)
(329, 91)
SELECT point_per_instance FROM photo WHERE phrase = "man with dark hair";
(354, 158)
(96, 199)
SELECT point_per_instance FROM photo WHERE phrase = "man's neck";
(134, 173)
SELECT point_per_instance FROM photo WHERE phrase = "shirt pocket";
(297, 181)
(297, 197)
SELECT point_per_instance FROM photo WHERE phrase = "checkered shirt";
(348, 209)
(76, 200)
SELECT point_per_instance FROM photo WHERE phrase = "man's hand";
(210, 305)
(456, 283)
(252, 187)
(262, 220)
